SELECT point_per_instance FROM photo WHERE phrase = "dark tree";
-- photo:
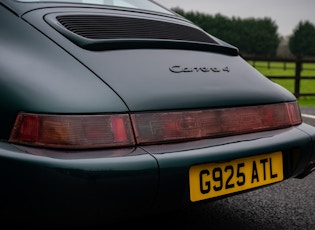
(252, 36)
(302, 42)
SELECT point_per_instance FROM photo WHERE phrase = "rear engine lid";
(152, 79)
(156, 62)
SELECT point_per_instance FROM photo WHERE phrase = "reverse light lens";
(73, 131)
(119, 130)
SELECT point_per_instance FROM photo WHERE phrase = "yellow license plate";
(217, 179)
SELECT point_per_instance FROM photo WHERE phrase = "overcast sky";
(285, 13)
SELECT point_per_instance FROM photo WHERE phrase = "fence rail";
(298, 68)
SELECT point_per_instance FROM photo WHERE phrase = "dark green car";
(123, 108)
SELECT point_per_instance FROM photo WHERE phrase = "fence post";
(298, 70)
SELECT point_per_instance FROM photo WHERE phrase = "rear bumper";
(297, 145)
(307, 171)
(99, 184)
(311, 165)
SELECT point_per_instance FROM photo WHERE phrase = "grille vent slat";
(115, 27)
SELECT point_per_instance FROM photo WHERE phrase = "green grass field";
(288, 69)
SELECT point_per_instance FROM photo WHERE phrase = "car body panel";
(58, 184)
(55, 77)
(228, 150)
(196, 82)
(159, 180)
(44, 70)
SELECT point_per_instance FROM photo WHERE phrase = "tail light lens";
(73, 131)
(174, 126)
(117, 130)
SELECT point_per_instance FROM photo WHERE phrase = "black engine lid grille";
(100, 32)
(118, 27)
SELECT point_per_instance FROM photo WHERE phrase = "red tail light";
(294, 113)
(117, 130)
(174, 126)
(73, 131)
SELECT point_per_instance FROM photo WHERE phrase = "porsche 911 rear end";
(119, 108)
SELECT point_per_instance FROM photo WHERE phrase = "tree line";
(254, 36)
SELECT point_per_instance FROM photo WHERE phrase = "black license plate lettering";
(216, 179)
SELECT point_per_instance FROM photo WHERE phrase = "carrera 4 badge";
(181, 69)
